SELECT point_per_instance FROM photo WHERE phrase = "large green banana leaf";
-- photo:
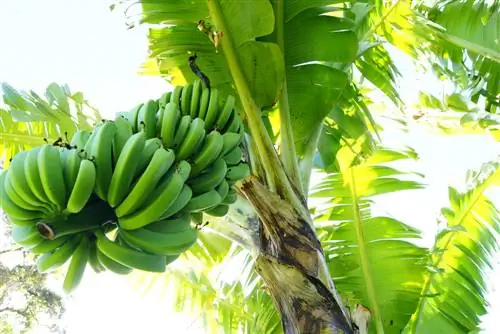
(310, 44)
(29, 120)
(454, 290)
(372, 259)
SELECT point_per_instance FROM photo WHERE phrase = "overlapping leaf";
(371, 258)
(28, 119)
(453, 295)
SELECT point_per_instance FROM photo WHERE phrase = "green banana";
(47, 246)
(233, 157)
(197, 217)
(161, 243)
(123, 133)
(219, 211)
(210, 179)
(195, 99)
(93, 260)
(193, 139)
(223, 189)
(150, 148)
(101, 150)
(179, 203)
(22, 222)
(26, 236)
(184, 169)
(170, 120)
(158, 202)
(203, 202)
(125, 168)
(77, 266)
(84, 186)
(231, 197)
(209, 152)
(19, 201)
(11, 209)
(18, 179)
(53, 260)
(176, 95)
(79, 139)
(133, 115)
(238, 172)
(170, 225)
(231, 140)
(181, 130)
(164, 99)
(204, 101)
(146, 121)
(234, 123)
(112, 265)
(129, 257)
(71, 160)
(186, 99)
(51, 175)
(32, 175)
(159, 165)
(225, 113)
(213, 110)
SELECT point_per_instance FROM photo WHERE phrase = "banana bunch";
(144, 177)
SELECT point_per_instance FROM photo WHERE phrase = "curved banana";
(181, 130)
(210, 151)
(223, 189)
(219, 211)
(51, 175)
(204, 102)
(238, 172)
(181, 201)
(231, 140)
(225, 113)
(84, 187)
(150, 148)
(158, 202)
(47, 246)
(146, 120)
(18, 179)
(129, 257)
(203, 202)
(159, 165)
(213, 110)
(133, 116)
(101, 151)
(176, 95)
(19, 201)
(233, 157)
(77, 266)
(195, 99)
(58, 257)
(26, 236)
(177, 224)
(169, 122)
(93, 260)
(112, 265)
(186, 99)
(125, 168)
(210, 179)
(11, 209)
(164, 99)
(231, 197)
(161, 243)
(192, 141)
(79, 139)
(32, 175)
(123, 133)
(71, 160)
(184, 169)
(234, 123)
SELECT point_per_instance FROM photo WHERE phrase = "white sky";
(83, 44)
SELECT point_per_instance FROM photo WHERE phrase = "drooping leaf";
(453, 293)
(371, 258)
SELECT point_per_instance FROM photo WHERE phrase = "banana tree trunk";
(289, 258)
